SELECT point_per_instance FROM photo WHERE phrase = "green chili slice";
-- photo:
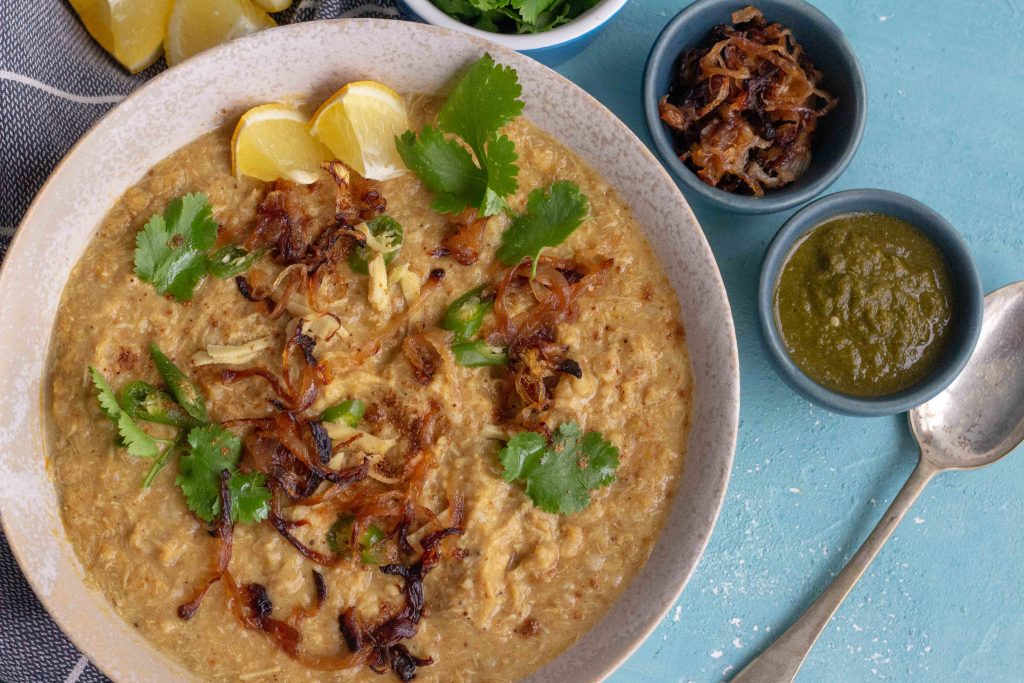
(349, 411)
(143, 401)
(479, 354)
(188, 394)
(465, 315)
(233, 260)
(389, 232)
(369, 542)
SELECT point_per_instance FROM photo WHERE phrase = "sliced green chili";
(465, 315)
(188, 394)
(369, 542)
(349, 411)
(388, 232)
(233, 260)
(143, 401)
(478, 354)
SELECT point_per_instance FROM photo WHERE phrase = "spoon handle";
(783, 658)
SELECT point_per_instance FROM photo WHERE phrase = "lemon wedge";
(197, 25)
(272, 141)
(132, 31)
(273, 5)
(359, 124)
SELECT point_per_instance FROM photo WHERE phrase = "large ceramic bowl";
(312, 60)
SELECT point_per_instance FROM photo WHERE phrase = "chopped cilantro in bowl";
(552, 29)
(515, 16)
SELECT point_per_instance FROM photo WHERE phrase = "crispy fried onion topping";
(225, 541)
(463, 240)
(537, 360)
(744, 106)
(382, 642)
(305, 469)
(309, 246)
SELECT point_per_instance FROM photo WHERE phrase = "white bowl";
(579, 29)
(213, 89)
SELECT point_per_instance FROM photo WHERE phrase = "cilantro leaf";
(445, 167)
(460, 9)
(170, 251)
(250, 497)
(501, 169)
(487, 98)
(559, 477)
(108, 401)
(139, 443)
(551, 216)
(529, 10)
(213, 449)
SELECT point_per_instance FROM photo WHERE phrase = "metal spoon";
(977, 420)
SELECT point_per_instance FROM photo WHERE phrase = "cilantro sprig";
(171, 249)
(208, 448)
(213, 449)
(485, 100)
(551, 216)
(559, 477)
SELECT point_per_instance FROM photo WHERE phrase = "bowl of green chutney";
(869, 303)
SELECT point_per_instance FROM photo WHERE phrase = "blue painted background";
(944, 601)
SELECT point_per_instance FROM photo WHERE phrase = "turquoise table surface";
(943, 602)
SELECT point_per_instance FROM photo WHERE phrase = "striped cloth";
(55, 82)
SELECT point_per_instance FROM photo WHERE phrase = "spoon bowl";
(979, 418)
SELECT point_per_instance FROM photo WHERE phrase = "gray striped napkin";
(55, 82)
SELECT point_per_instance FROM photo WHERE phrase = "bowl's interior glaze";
(213, 89)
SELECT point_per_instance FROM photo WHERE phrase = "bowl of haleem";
(349, 366)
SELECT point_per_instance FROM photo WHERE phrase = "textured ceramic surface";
(838, 134)
(967, 308)
(311, 60)
(560, 43)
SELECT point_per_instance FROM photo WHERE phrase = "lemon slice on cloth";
(132, 31)
(273, 5)
(197, 25)
(272, 141)
(359, 124)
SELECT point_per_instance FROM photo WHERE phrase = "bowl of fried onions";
(755, 108)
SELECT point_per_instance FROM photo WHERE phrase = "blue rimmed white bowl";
(968, 299)
(838, 134)
(552, 46)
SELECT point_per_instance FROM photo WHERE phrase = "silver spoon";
(977, 420)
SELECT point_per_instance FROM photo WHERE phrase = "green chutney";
(864, 304)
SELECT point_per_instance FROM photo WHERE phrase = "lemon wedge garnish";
(273, 5)
(197, 25)
(132, 31)
(272, 141)
(359, 124)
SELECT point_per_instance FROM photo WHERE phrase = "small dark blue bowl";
(838, 134)
(967, 312)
